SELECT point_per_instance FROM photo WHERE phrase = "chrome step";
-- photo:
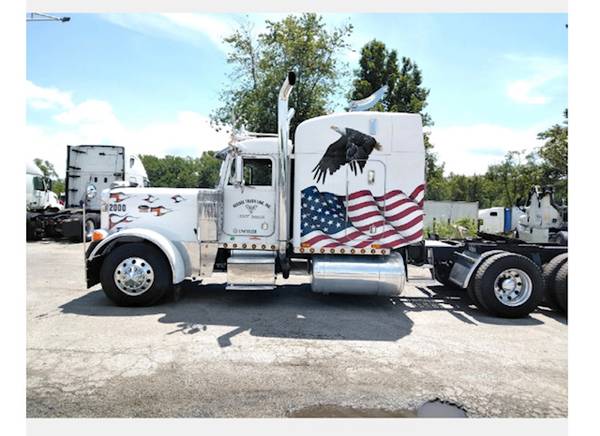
(230, 287)
(251, 270)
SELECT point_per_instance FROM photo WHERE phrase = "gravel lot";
(283, 353)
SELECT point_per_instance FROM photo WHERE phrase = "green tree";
(513, 178)
(47, 168)
(379, 66)
(208, 170)
(183, 172)
(555, 156)
(296, 43)
(49, 171)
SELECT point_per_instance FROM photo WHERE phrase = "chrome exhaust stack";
(284, 116)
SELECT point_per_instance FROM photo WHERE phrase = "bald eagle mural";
(352, 148)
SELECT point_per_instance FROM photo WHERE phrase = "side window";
(257, 172)
(38, 183)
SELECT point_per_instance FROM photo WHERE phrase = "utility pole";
(37, 16)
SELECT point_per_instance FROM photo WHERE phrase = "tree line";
(306, 45)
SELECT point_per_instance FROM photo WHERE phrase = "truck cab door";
(249, 207)
(372, 181)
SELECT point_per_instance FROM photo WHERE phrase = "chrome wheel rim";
(134, 276)
(513, 287)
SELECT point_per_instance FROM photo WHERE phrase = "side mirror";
(90, 192)
(239, 171)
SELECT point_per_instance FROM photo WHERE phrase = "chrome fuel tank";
(373, 275)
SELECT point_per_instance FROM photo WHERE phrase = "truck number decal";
(117, 207)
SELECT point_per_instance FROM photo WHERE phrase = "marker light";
(99, 235)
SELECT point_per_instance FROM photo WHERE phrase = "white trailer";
(448, 212)
(99, 166)
(346, 198)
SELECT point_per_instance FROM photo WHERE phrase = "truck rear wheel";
(561, 286)
(471, 286)
(135, 274)
(473, 296)
(509, 285)
(549, 271)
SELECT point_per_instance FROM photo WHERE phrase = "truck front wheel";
(509, 285)
(135, 274)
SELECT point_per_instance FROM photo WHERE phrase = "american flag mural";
(333, 221)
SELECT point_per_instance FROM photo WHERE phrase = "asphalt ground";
(288, 352)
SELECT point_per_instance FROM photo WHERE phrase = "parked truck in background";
(39, 195)
(100, 166)
(540, 220)
(345, 201)
(543, 220)
(499, 220)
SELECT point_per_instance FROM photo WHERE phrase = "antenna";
(37, 16)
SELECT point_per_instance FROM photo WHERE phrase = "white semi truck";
(346, 198)
(540, 220)
(100, 166)
(39, 195)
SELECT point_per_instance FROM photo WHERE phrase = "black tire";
(562, 238)
(561, 287)
(490, 270)
(473, 296)
(549, 272)
(154, 257)
(471, 287)
(32, 228)
(442, 275)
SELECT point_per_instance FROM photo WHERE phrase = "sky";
(150, 81)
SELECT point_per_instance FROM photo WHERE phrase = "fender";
(465, 265)
(178, 265)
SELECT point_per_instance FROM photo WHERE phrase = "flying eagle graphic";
(352, 148)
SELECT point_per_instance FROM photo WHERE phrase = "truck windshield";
(38, 183)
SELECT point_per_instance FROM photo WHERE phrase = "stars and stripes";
(361, 220)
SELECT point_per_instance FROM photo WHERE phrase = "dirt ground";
(288, 352)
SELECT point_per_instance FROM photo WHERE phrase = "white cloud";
(523, 91)
(94, 122)
(90, 111)
(46, 98)
(541, 71)
(187, 27)
(470, 149)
